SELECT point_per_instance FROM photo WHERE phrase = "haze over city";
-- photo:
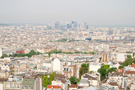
(94, 12)
(67, 44)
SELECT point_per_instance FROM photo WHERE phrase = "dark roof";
(113, 83)
(90, 77)
(129, 72)
(73, 86)
(3, 79)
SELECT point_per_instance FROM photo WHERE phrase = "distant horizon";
(94, 12)
(15, 24)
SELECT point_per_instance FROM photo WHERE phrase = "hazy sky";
(94, 12)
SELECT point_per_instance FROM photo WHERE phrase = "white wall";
(93, 67)
(121, 57)
(56, 65)
(0, 52)
(3, 67)
(1, 87)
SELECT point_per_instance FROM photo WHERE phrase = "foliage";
(58, 52)
(90, 71)
(84, 69)
(10, 55)
(73, 80)
(4, 55)
(92, 53)
(112, 70)
(62, 40)
(104, 70)
(67, 52)
(127, 62)
(35, 67)
(120, 67)
(72, 40)
(87, 65)
(47, 80)
(49, 54)
(100, 59)
(106, 66)
(83, 65)
(25, 45)
(133, 54)
(78, 80)
(30, 54)
(129, 56)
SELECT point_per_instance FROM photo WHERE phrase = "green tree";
(88, 65)
(106, 66)
(133, 54)
(38, 53)
(4, 55)
(84, 69)
(112, 70)
(129, 56)
(32, 52)
(120, 67)
(24, 45)
(47, 80)
(78, 80)
(104, 70)
(73, 80)
(127, 62)
(10, 55)
(49, 54)
(20, 55)
(35, 67)
(83, 65)
(92, 53)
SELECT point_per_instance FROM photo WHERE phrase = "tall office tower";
(74, 24)
(85, 26)
(0, 52)
(57, 25)
(104, 58)
(49, 26)
(68, 25)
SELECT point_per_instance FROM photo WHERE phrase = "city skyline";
(94, 12)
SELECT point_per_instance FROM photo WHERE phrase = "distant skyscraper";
(85, 26)
(74, 24)
(57, 25)
(49, 27)
(68, 25)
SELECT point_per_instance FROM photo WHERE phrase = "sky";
(94, 12)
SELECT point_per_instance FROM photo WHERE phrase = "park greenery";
(47, 79)
(74, 80)
(120, 67)
(129, 61)
(104, 70)
(30, 54)
(35, 67)
(4, 55)
(59, 52)
(62, 40)
(84, 69)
